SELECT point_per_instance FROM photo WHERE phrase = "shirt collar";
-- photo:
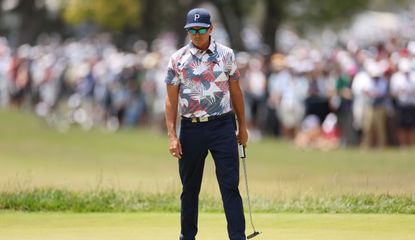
(211, 49)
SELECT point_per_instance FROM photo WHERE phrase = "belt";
(207, 119)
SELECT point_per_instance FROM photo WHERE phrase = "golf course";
(125, 185)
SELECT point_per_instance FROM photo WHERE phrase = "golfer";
(203, 78)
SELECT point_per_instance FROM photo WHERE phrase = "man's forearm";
(171, 111)
(170, 120)
(238, 104)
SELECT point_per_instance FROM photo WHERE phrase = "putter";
(242, 155)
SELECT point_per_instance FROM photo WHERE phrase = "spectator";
(314, 135)
(255, 94)
(319, 88)
(277, 68)
(374, 118)
(402, 89)
(290, 91)
(5, 60)
(344, 107)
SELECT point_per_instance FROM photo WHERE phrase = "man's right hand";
(172, 99)
(175, 147)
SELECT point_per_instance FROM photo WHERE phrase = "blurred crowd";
(319, 98)
(324, 99)
(86, 82)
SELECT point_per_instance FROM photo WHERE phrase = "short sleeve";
(233, 68)
(171, 76)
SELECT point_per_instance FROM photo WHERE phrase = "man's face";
(200, 36)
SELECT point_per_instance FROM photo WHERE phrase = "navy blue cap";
(198, 17)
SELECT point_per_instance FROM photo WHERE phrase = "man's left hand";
(243, 137)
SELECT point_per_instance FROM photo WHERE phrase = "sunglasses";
(201, 31)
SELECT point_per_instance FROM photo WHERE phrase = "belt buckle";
(203, 119)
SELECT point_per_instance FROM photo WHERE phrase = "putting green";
(164, 226)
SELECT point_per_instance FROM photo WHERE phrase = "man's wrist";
(172, 135)
(242, 124)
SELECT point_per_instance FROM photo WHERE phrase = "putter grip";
(242, 153)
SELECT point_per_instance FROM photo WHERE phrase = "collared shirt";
(203, 79)
(402, 86)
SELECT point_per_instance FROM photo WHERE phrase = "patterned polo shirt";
(203, 79)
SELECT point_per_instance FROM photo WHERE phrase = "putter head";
(254, 234)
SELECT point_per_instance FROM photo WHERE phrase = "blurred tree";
(306, 13)
(147, 19)
(233, 13)
(275, 14)
(177, 12)
(113, 14)
(144, 19)
(324, 12)
(387, 5)
(30, 19)
(164, 16)
(303, 13)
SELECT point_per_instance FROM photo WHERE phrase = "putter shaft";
(243, 156)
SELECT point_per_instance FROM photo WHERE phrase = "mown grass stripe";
(58, 200)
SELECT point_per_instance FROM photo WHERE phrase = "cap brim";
(196, 25)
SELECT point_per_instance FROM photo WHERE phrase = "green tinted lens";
(202, 30)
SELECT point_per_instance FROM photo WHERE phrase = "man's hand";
(243, 136)
(175, 147)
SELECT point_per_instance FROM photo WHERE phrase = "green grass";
(134, 164)
(54, 200)
(162, 226)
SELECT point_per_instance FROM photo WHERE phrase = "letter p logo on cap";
(197, 16)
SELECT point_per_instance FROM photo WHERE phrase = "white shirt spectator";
(292, 91)
(5, 61)
(361, 84)
(403, 87)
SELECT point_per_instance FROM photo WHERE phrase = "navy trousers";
(218, 137)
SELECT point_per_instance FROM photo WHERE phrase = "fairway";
(162, 226)
(33, 155)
